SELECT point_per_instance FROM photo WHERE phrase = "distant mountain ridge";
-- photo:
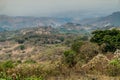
(113, 19)
(12, 23)
(19, 22)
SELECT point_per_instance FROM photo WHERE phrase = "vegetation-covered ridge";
(24, 56)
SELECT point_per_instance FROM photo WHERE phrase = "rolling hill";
(19, 22)
(113, 19)
(13, 23)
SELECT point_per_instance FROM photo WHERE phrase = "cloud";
(54, 7)
(2, 4)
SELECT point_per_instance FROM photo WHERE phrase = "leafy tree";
(69, 58)
(76, 46)
(111, 39)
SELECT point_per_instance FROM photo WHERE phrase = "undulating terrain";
(46, 48)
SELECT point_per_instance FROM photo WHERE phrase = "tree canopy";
(111, 38)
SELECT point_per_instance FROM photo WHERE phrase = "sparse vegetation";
(76, 46)
(30, 61)
(69, 58)
(59, 56)
(22, 47)
(114, 67)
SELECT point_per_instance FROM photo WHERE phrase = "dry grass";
(49, 65)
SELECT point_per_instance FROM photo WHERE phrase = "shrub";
(8, 64)
(22, 47)
(114, 67)
(76, 46)
(4, 66)
(111, 39)
(69, 58)
(33, 71)
(34, 78)
(20, 41)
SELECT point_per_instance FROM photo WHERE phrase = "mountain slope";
(7, 22)
(13, 23)
(113, 19)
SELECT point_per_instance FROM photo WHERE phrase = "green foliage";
(115, 62)
(6, 78)
(114, 67)
(69, 58)
(8, 64)
(76, 46)
(34, 78)
(4, 66)
(61, 38)
(20, 41)
(111, 39)
(22, 47)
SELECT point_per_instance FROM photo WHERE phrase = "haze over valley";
(59, 39)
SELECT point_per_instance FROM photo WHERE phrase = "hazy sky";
(57, 7)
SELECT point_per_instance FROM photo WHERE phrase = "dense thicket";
(111, 39)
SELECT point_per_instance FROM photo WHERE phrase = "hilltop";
(113, 19)
(19, 22)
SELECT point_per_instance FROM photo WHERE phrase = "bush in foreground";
(69, 58)
(114, 67)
